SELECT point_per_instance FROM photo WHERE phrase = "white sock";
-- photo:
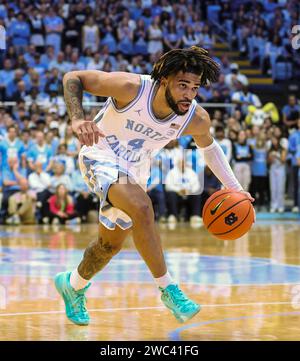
(164, 281)
(76, 281)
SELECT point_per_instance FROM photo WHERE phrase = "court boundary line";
(203, 306)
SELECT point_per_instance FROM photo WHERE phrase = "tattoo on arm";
(73, 98)
(96, 256)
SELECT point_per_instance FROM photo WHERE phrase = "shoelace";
(79, 303)
(177, 296)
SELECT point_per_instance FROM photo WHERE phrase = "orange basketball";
(228, 214)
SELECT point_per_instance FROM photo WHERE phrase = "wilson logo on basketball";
(231, 219)
(214, 210)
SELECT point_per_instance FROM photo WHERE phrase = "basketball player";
(142, 113)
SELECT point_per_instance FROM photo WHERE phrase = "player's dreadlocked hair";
(192, 60)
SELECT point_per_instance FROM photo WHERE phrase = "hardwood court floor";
(249, 289)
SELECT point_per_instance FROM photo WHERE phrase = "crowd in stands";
(262, 31)
(39, 178)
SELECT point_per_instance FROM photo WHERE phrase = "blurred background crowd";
(260, 134)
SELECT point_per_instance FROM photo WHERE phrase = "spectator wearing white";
(59, 177)
(224, 143)
(242, 155)
(59, 63)
(190, 38)
(172, 37)
(21, 205)
(243, 98)
(37, 97)
(155, 36)
(277, 132)
(182, 183)
(39, 182)
(232, 79)
(90, 35)
(207, 40)
(96, 63)
(74, 63)
(134, 67)
(277, 158)
(125, 36)
(55, 103)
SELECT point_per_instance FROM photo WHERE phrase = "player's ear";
(163, 81)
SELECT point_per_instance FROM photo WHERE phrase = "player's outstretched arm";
(213, 154)
(119, 85)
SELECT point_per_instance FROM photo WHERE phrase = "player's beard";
(172, 103)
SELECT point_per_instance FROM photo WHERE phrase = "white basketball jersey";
(133, 134)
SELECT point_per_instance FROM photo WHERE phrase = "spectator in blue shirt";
(11, 146)
(38, 66)
(12, 174)
(40, 152)
(65, 159)
(29, 55)
(28, 143)
(242, 155)
(291, 112)
(294, 143)
(19, 31)
(54, 26)
(49, 56)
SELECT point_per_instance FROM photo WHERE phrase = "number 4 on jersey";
(136, 143)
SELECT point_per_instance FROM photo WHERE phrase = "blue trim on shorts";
(119, 222)
(123, 224)
(102, 183)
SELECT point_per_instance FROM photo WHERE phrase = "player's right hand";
(87, 132)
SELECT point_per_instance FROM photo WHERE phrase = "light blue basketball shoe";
(180, 305)
(75, 301)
